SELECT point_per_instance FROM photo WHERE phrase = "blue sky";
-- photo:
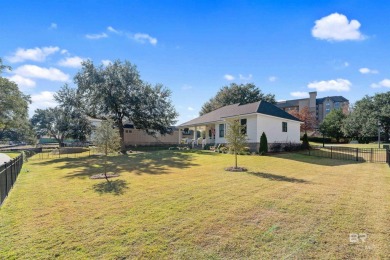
(287, 48)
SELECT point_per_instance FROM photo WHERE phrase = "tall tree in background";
(233, 94)
(333, 123)
(308, 118)
(13, 109)
(117, 92)
(367, 113)
(66, 120)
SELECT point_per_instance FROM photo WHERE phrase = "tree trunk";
(235, 154)
(122, 135)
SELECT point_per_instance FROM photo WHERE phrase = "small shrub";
(263, 144)
(290, 147)
(305, 142)
(207, 147)
(275, 147)
(223, 149)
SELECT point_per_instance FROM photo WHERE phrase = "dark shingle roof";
(261, 107)
(333, 98)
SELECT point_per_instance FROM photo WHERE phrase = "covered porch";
(197, 135)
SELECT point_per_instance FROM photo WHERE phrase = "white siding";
(272, 126)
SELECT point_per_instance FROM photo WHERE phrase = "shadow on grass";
(275, 177)
(116, 187)
(157, 162)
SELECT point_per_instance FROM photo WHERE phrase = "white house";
(259, 117)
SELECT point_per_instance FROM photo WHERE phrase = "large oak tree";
(233, 94)
(116, 91)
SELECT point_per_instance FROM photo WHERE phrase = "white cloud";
(228, 77)
(33, 71)
(336, 85)
(190, 108)
(384, 83)
(368, 71)
(71, 62)
(23, 83)
(96, 36)
(272, 79)
(336, 27)
(245, 78)
(42, 100)
(299, 94)
(111, 29)
(346, 64)
(53, 26)
(36, 54)
(143, 37)
(106, 62)
(64, 51)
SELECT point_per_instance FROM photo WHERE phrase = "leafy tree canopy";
(116, 91)
(308, 118)
(66, 120)
(236, 137)
(233, 94)
(13, 108)
(333, 123)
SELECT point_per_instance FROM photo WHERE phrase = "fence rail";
(9, 172)
(376, 155)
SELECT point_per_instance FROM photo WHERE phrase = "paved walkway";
(4, 158)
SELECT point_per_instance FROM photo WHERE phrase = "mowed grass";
(183, 205)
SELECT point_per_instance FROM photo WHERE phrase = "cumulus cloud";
(106, 62)
(272, 79)
(337, 27)
(190, 108)
(71, 62)
(23, 83)
(384, 83)
(228, 77)
(336, 85)
(33, 71)
(368, 71)
(242, 77)
(96, 36)
(144, 37)
(299, 94)
(42, 100)
(36, 54)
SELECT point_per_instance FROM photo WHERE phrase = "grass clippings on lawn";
(183, 205)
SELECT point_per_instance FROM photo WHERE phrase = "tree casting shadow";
(158, 162)
(274, 177)
(116, 187)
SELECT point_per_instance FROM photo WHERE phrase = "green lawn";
(183, 205)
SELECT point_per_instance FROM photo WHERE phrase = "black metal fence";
(9, 171)
(388, 156)
(376, 155)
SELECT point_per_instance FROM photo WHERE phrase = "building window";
(284, 126)
(336, 105)
(243, 123)
(221, 130)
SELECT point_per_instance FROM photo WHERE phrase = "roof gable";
(261, 107)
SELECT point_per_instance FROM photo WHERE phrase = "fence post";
(331, 152)
(357, 154)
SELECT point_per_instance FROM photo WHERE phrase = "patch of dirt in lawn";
(236, 169)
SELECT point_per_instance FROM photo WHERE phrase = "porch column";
(206, 134)
(195, 133)
(180, 135)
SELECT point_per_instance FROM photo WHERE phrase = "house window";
(284, 126)
(221, 130)
(243, 123)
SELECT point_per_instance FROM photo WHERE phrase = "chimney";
(312, 100)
